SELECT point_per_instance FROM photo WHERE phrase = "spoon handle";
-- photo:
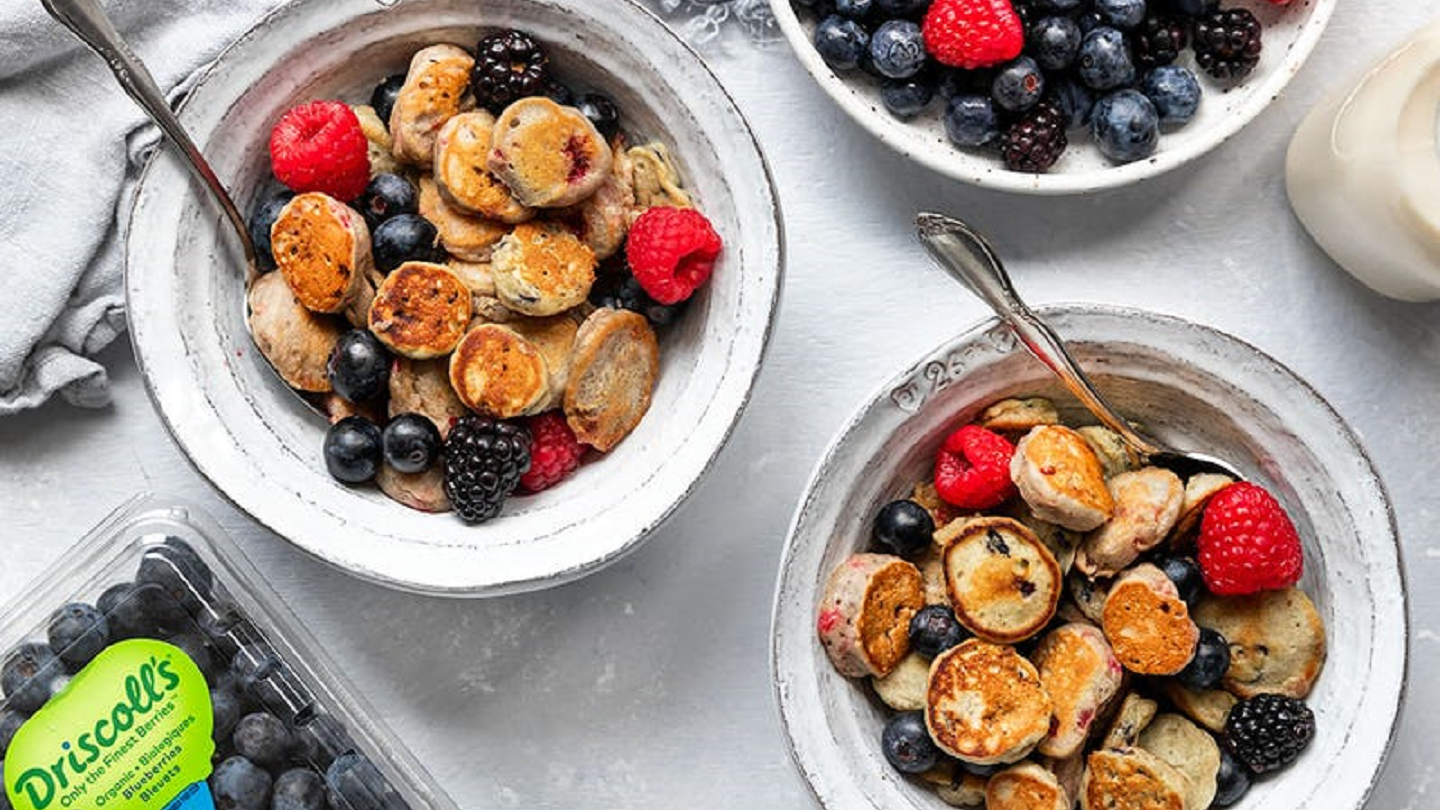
(968, 257)
(88, 21)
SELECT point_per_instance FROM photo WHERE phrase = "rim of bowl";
(966, 167)
(482, 586)
(1374, 486)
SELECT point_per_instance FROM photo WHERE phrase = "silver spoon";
(969, 259)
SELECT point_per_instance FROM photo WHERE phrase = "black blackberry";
(1159, 41)
(1036, 140)
(509, 65)
(1227, 43)
(484, 459)
(1267, 732)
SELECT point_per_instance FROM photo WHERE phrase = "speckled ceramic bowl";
(1290, 34)
(261, 446)
(1189, 386)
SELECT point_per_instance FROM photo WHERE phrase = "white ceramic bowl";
(260, 446)
(1187, 385)
(1290, 34)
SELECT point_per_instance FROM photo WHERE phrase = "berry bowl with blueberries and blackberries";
(1052, 95)
(151, 668)
(522, 257)
(1008, 607)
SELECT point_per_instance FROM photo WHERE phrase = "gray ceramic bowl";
(260, 446)
(1186, 384)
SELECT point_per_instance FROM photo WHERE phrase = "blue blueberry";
(354, 782)
(1208, 665)
(623, 291)
(353, 450)
(1060, 5)
(405, 238)
(1125, 126)
(225, 706)
(1105, 60)
(238, 784)
(1054, 42)
(387, 195)
(897, 49)
(410, 442)
(1074, 100)
(934, 629)
(854, 9)
(1174, 91)
(1193, 8)
(1122, 14)
(1019, 85)
(902, 8)
(299, 789)
(906, 98)
(78, 632)
(1185, 573)
(1232, 781)
(262, 216)
(904, 528)
(602, 112)
(359, 366)
(1088, 20)
(175, 567)
(907, 745)
(197, 649)
(559, 92)
(382, 100)
(971, 120)
(10, 722)
(135, 610)
(31, 675)
(258, 675)
(262, 739)
(841, 42)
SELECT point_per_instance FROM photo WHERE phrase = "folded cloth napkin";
(70, 153)
(74, 147)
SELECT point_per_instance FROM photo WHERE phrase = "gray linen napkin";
(71, 150)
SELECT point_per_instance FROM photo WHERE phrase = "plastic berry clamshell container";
(152, 668)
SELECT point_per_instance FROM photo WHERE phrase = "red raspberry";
(973, 34)
(1247, 542)
(319, 147)
(554, 452)
(672, 252)
(972, 470)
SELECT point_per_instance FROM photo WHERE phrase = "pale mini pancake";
(336, 407)
(1114, 454)
(1081, 674)
(1277, 641)
(548, 155)
(420, 311)
(1135, 713)
(377, 141)
(655, 179)
(322, 248)
(1004, 583)
(541, 268)
(965, 789)
(357, 312)
(1068, 772)
(1199, 489)
(296, 341)
(864, 614)
(1088, 595)
(435, 91)
(1062, 542)
(1187, 749)
(464, 236)
(424, 491)
(931, 563)
(1025, 786)
(1019, 415)
(498, 373)
(1132, 779)
(423, 387)
(462, 150)
(1210, 707)
(555, 338)
(1147, 503)
(1060, 478)
(1148, 624)
(602, 219)
(940, 511)
(903, 688)
(612, 377)
(985, 703)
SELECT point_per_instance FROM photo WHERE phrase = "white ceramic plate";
(260, 446)
(1290, 34)
(1187, 385)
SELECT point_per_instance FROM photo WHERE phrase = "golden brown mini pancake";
(541, 269)
(322, 248)
(464, 236)
(1060, 478)
(433, 93)
(421, 311)
(498, 373)
(1003, 582)
(864, 614)
(1148, 624)
(1131, 779)
(548, 155)
(985, 703)
(462, 150)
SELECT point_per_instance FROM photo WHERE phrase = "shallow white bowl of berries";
(1190, 387)
(260, 445)
(1290, 33)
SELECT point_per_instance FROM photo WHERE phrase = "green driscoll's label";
(130, 732)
